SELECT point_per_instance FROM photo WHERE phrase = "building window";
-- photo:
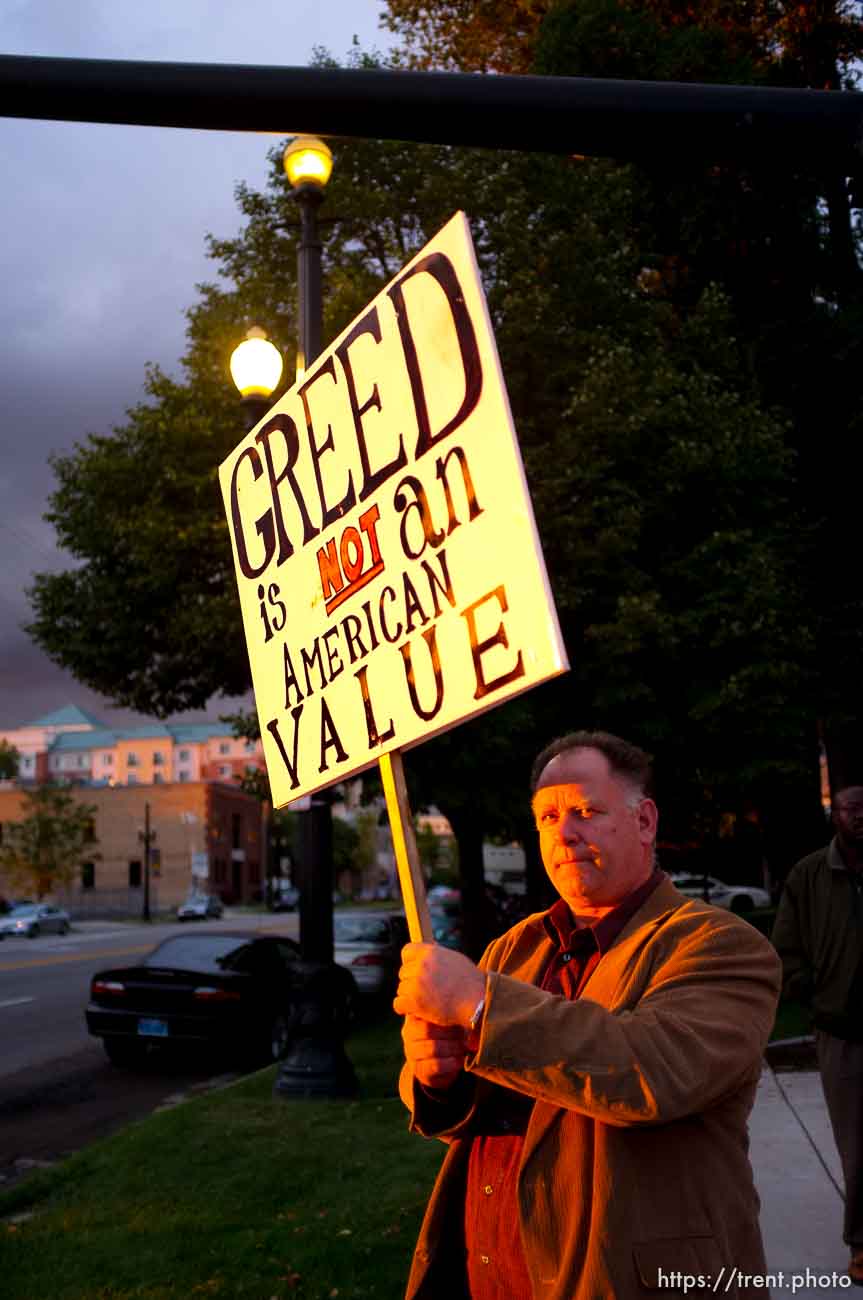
(131, 779)
(135, 874)
(158, 759)
(224, 770)
(184, 756)
(88, 875)
(158, 779)
(250, 747)
(219, 872)
(27, 763)
(90, 830)
(184, 776)
(131, 760)
(225, 747)
(236, 830)
(107, 760)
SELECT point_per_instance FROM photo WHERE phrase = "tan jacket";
(635, 1158)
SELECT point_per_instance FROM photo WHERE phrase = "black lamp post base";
(315, 1068)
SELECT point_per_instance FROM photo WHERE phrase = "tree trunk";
(478, 925)
(540, 892)
(793, 820)
(844, 748)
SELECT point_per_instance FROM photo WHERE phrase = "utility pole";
(147, 836)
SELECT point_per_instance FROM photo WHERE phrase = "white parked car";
(369, 945)
(198, 907)
(33, 919)
(443, 894)
(737, 898)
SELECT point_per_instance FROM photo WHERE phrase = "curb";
(792, 1053)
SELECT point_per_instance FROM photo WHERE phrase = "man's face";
(848, 815)
(596, 845)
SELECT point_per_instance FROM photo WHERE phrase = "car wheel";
(64, 928)
(741, 903)
(124, 1052)
(33, 932)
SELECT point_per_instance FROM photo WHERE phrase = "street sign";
(200, 864)
(388, 563)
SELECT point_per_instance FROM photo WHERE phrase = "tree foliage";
(777, 250)
(805, 44)
(44, 850)
(148, 615)
(466, 35)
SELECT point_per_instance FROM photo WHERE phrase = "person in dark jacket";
(819, 936)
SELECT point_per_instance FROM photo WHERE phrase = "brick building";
(204, 834)
(207, 832)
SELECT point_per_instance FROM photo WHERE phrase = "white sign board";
(200, 864)
(389, 568)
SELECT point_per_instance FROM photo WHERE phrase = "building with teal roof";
(72, 746)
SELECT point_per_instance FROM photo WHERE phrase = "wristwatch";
(477, 1015)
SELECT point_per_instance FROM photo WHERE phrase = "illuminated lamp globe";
(256, 365)
(308, 161)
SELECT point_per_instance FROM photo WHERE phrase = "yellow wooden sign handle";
(405, 847)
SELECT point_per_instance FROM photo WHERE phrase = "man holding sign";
(593, 1075)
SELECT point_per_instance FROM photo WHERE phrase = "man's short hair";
(630, 764)
(848, 788)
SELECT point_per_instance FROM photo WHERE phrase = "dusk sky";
(103, 243)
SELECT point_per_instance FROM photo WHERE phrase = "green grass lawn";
(233, 1194)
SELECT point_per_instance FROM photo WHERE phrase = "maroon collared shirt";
(496, 1265)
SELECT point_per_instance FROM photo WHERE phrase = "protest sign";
(389, 569)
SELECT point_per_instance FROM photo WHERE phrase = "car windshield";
(24, 909)
(210, 952)
(361, 929)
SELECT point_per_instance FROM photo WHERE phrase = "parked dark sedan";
(243, 993)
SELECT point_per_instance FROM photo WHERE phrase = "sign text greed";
(388, 565)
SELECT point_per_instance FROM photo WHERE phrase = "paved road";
(44, 987)
(57, 1090)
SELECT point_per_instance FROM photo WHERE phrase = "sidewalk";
(799, 1180)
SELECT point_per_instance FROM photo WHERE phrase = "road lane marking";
(74, 956)
(16, 1002)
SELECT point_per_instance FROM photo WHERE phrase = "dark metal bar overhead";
(619, 119)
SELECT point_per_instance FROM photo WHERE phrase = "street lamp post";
(308, 163)
(315, 1064)
(147, 836)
